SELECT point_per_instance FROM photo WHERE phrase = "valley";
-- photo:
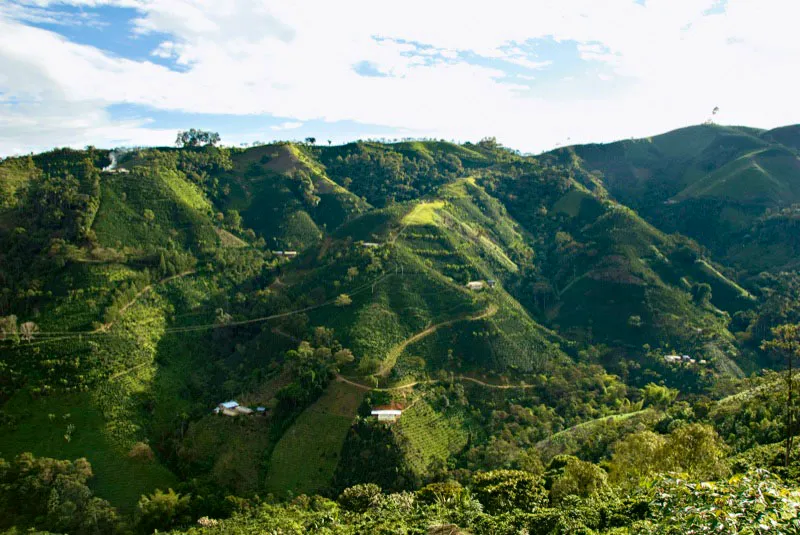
(518, 309)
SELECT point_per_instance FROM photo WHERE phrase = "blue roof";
(229, 405)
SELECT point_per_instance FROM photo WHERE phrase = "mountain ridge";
(314, 281)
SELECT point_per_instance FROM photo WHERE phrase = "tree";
(8, 327)
(786, 343)
(658, 396)
(359, 498)
(221, 317)
(162, 510)
(233, 219)
(311, 140)
(488, 143)
(27, 330)
(323, 336)
(636, 457)
(505, 490)
(343, 356)
(696, 449)
(343, 300)
(579, 478)
(701, 293)
(52, 495)
(196, 138)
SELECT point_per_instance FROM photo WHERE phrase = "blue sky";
(535, 74)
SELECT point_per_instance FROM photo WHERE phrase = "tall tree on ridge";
(786, 342)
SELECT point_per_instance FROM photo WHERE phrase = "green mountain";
(518, 309)
(713, 183)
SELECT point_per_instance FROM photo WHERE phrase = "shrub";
(506, 490)
(438, 492)
(359, 498)
(579, 478)
(142, 452)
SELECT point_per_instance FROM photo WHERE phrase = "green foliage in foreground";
(756, 503)
(52, 495)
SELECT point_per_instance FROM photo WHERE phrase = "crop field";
(429, 436)
(305, 458)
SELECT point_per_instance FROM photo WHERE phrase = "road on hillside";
(343, 379)
(394, 353)
(126, 306)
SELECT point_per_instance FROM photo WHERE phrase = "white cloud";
(38, 126)
(289, 125)
(295, 60)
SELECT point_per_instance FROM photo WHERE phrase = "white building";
(386, 415)
(285, 254)
(672, 358)
(228, 408)
(476, 285)
(232, 408)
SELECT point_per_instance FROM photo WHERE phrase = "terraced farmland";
(305, 458)
(427, 436)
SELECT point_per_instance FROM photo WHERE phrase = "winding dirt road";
(139, 294)
(343, 379)
(394, 353)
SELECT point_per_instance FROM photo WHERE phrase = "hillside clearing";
(305, 458)
(424, 213)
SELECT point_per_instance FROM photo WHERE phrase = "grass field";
(117, 478)
(423, 213)
(227, 239)
(305, 458)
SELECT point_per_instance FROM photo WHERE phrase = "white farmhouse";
(387, 413)
(228, 408)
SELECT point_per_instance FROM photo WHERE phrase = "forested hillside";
(578, 342)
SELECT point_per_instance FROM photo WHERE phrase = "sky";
(535, 74)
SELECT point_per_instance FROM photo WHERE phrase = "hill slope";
(713, 183)
(136, 299)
